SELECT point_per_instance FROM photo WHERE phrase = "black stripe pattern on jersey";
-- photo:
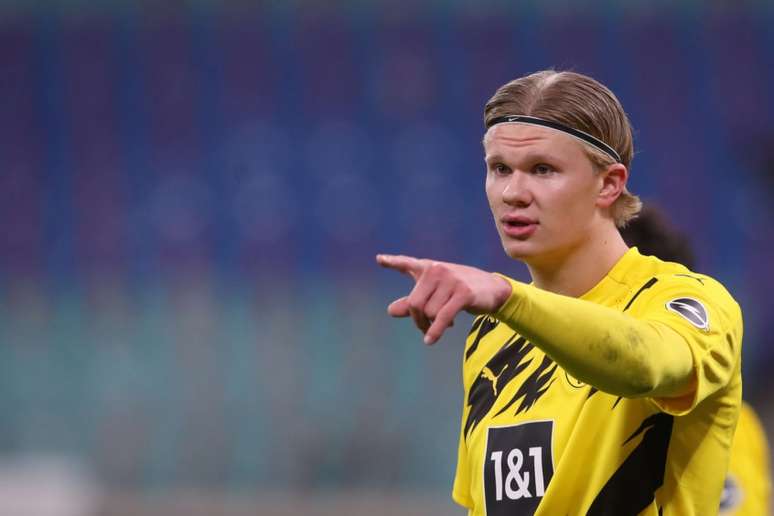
(476, 324)
(508, 362)
(692, 277)
(632, 488)
(650, 283)
(533, 387)
(483, 324)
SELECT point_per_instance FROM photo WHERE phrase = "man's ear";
(612, 184)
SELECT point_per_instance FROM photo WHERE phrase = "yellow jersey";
(747, 489)
(535, 440)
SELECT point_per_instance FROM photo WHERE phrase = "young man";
(611, 384)
(747, 488)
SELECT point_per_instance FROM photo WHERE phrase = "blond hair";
(580, 102)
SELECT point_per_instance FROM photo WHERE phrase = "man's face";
(542, 190)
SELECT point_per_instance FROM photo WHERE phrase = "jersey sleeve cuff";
(682, 405)
(511, 307)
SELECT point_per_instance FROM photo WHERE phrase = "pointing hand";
(441, 290)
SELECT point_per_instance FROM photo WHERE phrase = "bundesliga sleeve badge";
(690, 309)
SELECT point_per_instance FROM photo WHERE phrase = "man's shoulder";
(676, 276)
(675, 288)
(696, 284)
(646, 265)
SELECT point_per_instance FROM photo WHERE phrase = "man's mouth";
(519, 227)
(517, 223)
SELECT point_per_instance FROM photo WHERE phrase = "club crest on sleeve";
(690, 309)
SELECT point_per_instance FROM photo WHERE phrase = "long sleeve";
(654, 354)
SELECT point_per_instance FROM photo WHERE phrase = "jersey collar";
(615, 276)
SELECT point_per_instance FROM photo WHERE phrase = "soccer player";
(609, 385)
(747, 488)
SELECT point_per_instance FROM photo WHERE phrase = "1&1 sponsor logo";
(518, 467)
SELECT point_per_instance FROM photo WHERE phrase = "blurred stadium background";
(192, 193)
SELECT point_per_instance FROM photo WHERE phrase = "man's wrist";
(505, 294)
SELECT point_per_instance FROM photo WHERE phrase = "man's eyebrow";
(493, 157)
(530, 156)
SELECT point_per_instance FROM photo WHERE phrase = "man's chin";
(520, 250)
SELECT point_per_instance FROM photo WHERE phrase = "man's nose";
(517, 191)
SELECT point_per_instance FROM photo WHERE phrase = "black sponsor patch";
(518, 467)
(690, 309)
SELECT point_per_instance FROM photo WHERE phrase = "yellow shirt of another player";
(747, 489)
(535, 440)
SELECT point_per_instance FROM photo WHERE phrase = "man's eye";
(542, 169)
(499, 168)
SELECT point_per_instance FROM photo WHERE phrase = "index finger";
(405, 264)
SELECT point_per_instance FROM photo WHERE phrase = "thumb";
(399, 308)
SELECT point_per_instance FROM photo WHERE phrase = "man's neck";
(578, 271)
